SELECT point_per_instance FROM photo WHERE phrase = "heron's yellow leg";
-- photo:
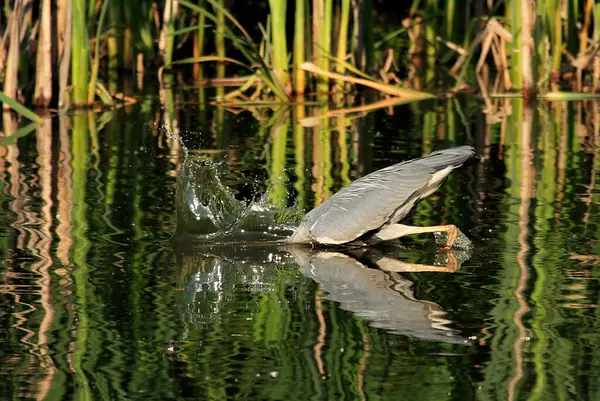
(394, 231)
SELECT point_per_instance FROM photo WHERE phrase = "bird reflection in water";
(368, 282)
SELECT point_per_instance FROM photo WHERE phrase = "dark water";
(99, 299)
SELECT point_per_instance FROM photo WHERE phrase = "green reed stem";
(342, 45)
(278, 39)
(514, 13)
(557, 36)
(325, 43)
(299, 50)
(449, 30)
(115, 33)
(572, 17)
(80, 53)
(201, 30)
(220, 36)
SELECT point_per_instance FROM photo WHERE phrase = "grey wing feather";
(370, 202)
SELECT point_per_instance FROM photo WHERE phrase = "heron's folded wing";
(366, 204)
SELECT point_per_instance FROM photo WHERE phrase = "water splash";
(462, 241)
(209, 210)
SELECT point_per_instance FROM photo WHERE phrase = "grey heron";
(370, 209)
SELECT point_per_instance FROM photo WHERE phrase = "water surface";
(113, 285)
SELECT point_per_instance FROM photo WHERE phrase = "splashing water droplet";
(462, 241)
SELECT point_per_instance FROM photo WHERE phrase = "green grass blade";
(188, 29)
(19, 108)
(204, 59)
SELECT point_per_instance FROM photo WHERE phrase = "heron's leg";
(394, 231)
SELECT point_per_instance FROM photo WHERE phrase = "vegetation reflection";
(98, 301)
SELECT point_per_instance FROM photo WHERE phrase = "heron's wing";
(369, 202)
(366, 204)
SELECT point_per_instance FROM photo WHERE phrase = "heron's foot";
(453, 239)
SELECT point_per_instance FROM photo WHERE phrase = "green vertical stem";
(557, 41)
(343, 40)
(324, 43)
(79, 54)
(199, 44)
(572, 16)
(220, 37)
(278, 40)
(299, 51)
(114, 43)
(449, 29)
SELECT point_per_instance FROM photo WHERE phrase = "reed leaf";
(19, 108)
(79, 54)
(299, 50)
(381, 87)
(205, 59)
(96, 60)
(104, 94)
(188, 29)
(566, 96)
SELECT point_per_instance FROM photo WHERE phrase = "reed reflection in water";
(99, 301)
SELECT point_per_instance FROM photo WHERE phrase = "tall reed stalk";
(322, 17)
(527, 46)
(114, 38)
(166, 40)
(278, 40)
(572, 13)
(450, 21)
(12, 62)
(80, 54)
(553, 21)
(513, 11)
(220, 37)
(342, 45)
(63, 30)
(596, 38)
(299, 50)
(43, 77)
(363, 35)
